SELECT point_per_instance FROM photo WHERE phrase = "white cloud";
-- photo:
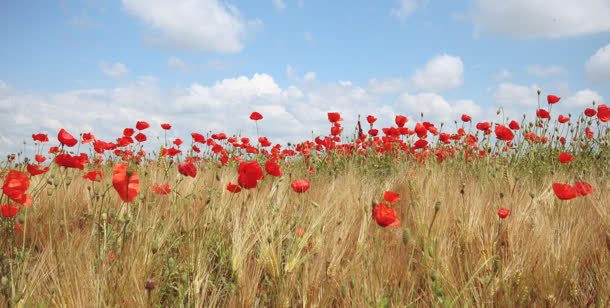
(177, 64)
(506, 94)
(435, 107)
(279, 5)
(309, 76)
(388, 85)
(405, 9)
(291, 73)
(598, 66)
(307, 36)
(5, 89)
(503, 74)
(541, 18)
(206, 25)
(545, 71)
(440, 73)
(114, 70)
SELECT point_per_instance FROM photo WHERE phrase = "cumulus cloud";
(435, 107)
(177, 64)
(597, 67)
(441, 73)
(207, 25)
(387, 85)
(541, 18)
(503, 74)
(114, 70)
(309, 76)
(545, 71)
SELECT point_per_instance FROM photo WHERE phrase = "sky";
(204, 65)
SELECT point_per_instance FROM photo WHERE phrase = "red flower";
(385, 216)
(504, 133)
(503, 213)
(421, 143)
(603, 113)
(564, 191)
(391, 197)
(140, 137)
(371, 119)
(255, 116)
(66, 139)
(563, 119)
(128, 132)
(198, 138)
(273, 168)
(590, 112)
(40, 137)
(300, 186)
(514, 125)
(142, 125)
(166, 126)
(565, 158)
(39, 158)
(373, 132)
(552, 99)
(299, 232)
(543, 114)
(36, 170)
(466, 118)
(401, 120)
(9, 210)
(334, 117)
(249, 173)
(93, 176)
(125, 182)
(234, 188)
(336, 130)
(483, 126)
(15, 185)
(583, 188)
(161, 189)
(68, 161)
(589, 133)
(87, 138)
(188, 169)
(177, 141)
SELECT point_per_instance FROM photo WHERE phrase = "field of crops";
(510, 212)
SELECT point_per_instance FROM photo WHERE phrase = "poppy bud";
(68, 182)
(49, 191)
(538, 91)
(405, 236)
(104, 216)
(437, 206)
(149, 285)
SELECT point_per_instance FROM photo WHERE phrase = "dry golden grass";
(207, 247)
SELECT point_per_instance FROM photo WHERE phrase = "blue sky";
(204, 65)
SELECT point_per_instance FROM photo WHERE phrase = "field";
(460, 214)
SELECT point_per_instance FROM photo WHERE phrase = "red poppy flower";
(565, 158)
(87, 138)
(334, 117)
(391, 197)
(371, 119)
(166, 126)
(36, 170)
(140, 137)
(421, 143)
(93, 176)
(589, 133)
(128, 132)
(9, 210)
(504, 133)
(552, 99)
(483, 126)
(273, 168)
(401, 120)
(68, 161)
(590, 112)
(142, 125)
(373, 132)
(466, 118)
(385, 216)
(187, 169)
(514, 125)
(197, 137)
(40, 137)
(249, 173)
(543, 114)
(255, 116)
(234, 188)
(39, 158)
(125, 182)
(15, 185)
(161, 189)
(563, 119)
(300, 186)
(66, 138)
(564, 191)
(336, 130)
(299, 232)
(503, 213)
(583, 188)
(603, 113)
